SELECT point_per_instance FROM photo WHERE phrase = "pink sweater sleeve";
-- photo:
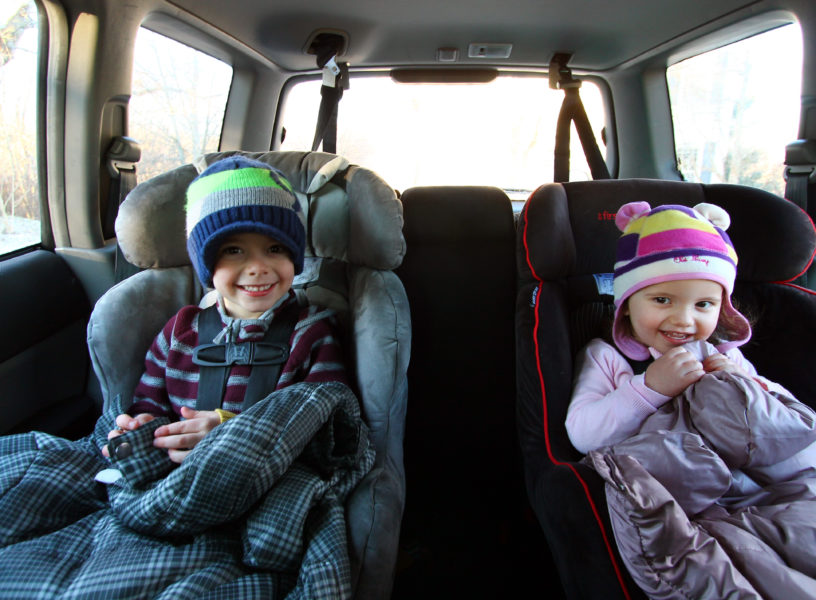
(609, 403)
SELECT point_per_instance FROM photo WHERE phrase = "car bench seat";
(354, 241)
(566, 236)
(467, 530)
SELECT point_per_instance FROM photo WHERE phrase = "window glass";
(19, 189)
(735, 108)
(500, 133)
(177, 104)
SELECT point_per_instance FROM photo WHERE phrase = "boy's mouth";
(256, 290)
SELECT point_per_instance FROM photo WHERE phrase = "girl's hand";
(181, 437)
(674, 372)
(720, 362)
(125, 423)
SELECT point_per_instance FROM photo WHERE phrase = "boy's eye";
(230, 250)
(276, 249)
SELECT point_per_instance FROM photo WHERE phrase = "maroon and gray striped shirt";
(170, 379)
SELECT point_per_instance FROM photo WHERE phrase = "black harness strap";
(266, 357)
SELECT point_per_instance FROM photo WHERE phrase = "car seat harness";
(266, 357)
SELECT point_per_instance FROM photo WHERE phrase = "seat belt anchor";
(122, 155)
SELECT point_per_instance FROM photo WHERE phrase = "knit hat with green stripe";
(237, 195)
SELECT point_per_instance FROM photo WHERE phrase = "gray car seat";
(354, 240)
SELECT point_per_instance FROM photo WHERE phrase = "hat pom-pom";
(629, 212)
(714, 214)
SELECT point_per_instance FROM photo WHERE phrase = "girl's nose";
(682, 316)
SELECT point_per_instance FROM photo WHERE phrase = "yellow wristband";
(224, 415)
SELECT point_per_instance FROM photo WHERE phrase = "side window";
(735, 108)
(177, 103)
(19, 189)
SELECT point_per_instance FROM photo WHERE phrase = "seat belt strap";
(266, 358)
(572, 111)
(121, 159)
(800, 172)
(335, 81)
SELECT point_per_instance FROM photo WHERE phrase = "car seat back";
(354, 240)
(466, 530)
(565, 244)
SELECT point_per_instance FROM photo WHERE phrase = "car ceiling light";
(489, 50)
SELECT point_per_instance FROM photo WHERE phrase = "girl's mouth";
(676, 337)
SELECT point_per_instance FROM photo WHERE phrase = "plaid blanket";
(255, 511)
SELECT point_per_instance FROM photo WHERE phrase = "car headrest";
(352, 214)
(571, 227)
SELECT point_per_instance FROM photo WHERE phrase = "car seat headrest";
(572, 226)
(352, 214)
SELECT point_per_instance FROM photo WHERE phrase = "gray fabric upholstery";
(354, 239)
(366, 231)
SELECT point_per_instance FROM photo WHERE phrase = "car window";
(178, 101)
(735, 108)
(500, 133)
(19, 189)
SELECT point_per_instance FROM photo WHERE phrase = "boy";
(246, 238)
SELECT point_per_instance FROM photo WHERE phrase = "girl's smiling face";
(666, 315)
(252, 272)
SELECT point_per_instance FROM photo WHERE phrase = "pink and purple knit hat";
(668, 243)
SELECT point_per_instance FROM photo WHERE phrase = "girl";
(674, 276)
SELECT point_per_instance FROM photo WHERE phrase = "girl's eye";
(705, 304)
(661, 300)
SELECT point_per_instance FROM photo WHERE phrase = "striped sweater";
(170, 379)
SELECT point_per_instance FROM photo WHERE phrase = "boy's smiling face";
(252, 272)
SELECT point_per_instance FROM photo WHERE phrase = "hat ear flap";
(629, 212)
(714, 214)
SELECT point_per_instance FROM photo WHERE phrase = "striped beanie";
(668, 243)
(238, 195)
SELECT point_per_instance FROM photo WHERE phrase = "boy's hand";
(674, 372)
(720, 362)
(181, 437)
(125, 422)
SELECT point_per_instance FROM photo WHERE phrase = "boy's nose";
(257, 265)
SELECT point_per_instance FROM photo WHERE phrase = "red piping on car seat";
(545, 421)
(807, 266)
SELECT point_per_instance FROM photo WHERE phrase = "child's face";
(665, 315)
(252, 272)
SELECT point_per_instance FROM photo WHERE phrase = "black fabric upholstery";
(467, 531)
(566, 234)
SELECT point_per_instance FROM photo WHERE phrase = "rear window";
(735, 108)
(500, 133)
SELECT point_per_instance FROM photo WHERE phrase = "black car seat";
(567, 236)
(354, 240)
